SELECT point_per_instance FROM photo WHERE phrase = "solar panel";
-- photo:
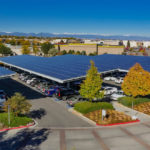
(5, 72)
(67, 67)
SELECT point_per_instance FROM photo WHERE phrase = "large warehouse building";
(67, 68)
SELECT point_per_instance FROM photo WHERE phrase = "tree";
(5, 50)
(128, 44)
(78, 53)
(35, 50)
(63, 52)
(25, 50)
(83, 53)
(93, 54)
(18, 105)
(91, 86)
(136, 82)
(45, 47)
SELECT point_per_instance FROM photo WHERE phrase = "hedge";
(86, 107)
(127, 101)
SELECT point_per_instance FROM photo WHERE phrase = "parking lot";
(45, 110)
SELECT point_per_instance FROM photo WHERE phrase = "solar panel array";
(5, 72)
(68, 67)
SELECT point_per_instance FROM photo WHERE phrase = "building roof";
(5, 72)
(72, 67)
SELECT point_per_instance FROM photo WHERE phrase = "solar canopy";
(72, 67)
(5, 72)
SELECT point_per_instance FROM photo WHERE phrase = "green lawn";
(14, 121)
(86, 107)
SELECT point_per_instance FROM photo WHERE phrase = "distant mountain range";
(79, 35)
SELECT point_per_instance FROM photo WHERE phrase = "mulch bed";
(111, 117)
(143, 107)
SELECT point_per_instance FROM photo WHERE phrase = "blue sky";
(130, 17)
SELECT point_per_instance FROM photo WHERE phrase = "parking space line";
(140, 141)
(100, 140)
(62, 140)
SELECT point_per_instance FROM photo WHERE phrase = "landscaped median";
(13, 114)
(93, 111)
(138, 104)
(16, 122)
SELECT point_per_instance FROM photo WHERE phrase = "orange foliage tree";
(137, 82)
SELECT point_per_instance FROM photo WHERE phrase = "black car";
(63, 93)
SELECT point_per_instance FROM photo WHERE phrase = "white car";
(30, 80)
(107, 78)
(119, 80)
(112, 78)
(117, 95)
(109, 90)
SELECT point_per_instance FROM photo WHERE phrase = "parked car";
(107, 78)
(3, 97)
(34, 83)
(112, 78)
(30, 80)
(119, 80)
(109, 90)
(51, 91)
(63, 93)
(117, 95)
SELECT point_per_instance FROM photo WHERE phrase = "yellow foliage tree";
(137, 82)
(25, 50)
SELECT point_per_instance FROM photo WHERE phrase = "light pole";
(9, 114)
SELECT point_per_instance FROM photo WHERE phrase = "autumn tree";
(25, 50)
(91, 86)
(137, 82)
(35, 50)
(18, 104)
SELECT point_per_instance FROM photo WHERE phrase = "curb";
(141, 113)
(20, 127)
(118, 123)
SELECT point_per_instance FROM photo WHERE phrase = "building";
(91, 48)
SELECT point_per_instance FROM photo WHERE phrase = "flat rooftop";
(67, 68)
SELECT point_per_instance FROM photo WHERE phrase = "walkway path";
(142, 117)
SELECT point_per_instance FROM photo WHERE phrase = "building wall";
(92, 48)
(88, 48)
(110, 49)
(111, 42)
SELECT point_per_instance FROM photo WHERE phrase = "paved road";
(131, 137)
(46, 111)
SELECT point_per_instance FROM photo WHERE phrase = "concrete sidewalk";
(141, 116)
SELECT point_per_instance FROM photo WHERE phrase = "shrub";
(18, 104)
(86, 107)
(127, 101)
